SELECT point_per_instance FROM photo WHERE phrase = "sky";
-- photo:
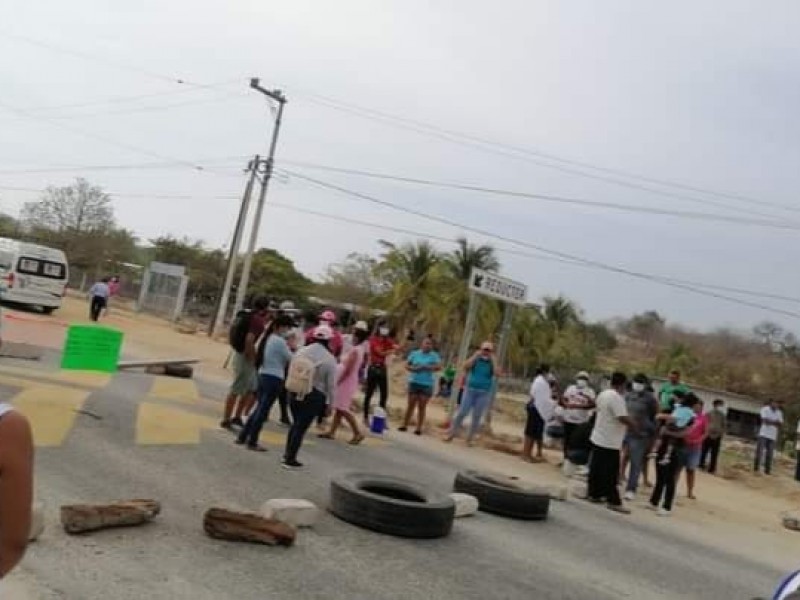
(702, 95)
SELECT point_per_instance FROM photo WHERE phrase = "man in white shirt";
(611, 423)
(540, 410)
(771, 419)
(98, 298)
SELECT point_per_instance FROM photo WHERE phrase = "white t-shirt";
(581, 396)
(770, 431)
(542, 397)
(608, 432)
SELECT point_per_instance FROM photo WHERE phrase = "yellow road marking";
(157, 424)
(51, 411)
(82, 378)
(171, 388)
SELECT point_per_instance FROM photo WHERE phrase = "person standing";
(539, 410)
(797, 452)
(480, 371)
(421, 365)
(98, 296)
(713, 441)
(695, 438)
(670, 456)
(275, 357)
(313, 368)
(674, 386)
(771, 419)
(16, 487)
(578, 403)
(380, 347)
(609, 432)
(247, 327)
(347, 384)
(642, 407)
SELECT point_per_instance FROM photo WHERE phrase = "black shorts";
(534, 425)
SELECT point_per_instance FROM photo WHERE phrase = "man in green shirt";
(666, 395)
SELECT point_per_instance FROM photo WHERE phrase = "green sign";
(92, 348)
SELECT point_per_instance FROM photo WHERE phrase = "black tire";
(183, 371)
(48, 310)
(391, 505)
(501, 496)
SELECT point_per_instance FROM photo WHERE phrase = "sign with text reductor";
(490, 284)
(91, 348)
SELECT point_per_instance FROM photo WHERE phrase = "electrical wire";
(588, 262)
(556, 199)
(511, 151)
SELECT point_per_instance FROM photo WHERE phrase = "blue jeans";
(475, 401)
(765, 448)
(269, 387)
(303, 414)
(637, 450)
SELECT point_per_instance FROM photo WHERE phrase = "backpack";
(300, 378)
(239, 329)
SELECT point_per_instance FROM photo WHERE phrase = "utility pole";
(221, 307)
(278, 97)
(501, 350)
(466, 340)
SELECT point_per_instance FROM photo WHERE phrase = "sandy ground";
(740, 511)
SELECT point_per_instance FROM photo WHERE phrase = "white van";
(33, 275)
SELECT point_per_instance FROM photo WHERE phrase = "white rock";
(466, 505)
(37, 521)
(300, 513)
(579, 489)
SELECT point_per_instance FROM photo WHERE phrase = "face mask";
(383, 331)
(638, 387)
(583, 384)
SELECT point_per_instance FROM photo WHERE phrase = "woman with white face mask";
(642, 408)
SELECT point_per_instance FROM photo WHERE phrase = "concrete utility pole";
(500, 354)
(221, 307)
(466, 340)
(278, 96)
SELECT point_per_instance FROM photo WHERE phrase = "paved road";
(115, 449)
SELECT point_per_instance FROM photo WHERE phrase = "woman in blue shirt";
(421, 365)
(274, 354)
(479, 372)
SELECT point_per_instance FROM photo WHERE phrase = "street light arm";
(276, 95)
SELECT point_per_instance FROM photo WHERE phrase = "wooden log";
(81, 518)
(226, 524)
(139, 364)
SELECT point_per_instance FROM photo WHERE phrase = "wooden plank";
(138, 364)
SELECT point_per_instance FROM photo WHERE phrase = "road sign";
(490, 284)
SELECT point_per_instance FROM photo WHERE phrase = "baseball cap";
(361, 326)
(322, 332)
(582, 375)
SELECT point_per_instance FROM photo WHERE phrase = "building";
(741, 411)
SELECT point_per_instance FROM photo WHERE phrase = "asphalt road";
(580, 552)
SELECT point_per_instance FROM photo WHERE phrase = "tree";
(275, 275)
(645, 327)
(466, 257)
(353, 280)
(77, 208)
(560, 312)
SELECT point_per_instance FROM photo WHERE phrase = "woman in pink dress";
(347, 385)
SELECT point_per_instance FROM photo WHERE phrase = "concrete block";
(791, 521)
(558, 492)
(466, 505)
(300, 513)
(37, 521)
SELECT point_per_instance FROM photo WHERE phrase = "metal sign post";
(466, 339)
(500, 354)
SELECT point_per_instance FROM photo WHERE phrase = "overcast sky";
(697, 93)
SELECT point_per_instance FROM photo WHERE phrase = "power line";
(217, 162)
(557, 199)
(527, 155)
(560, 254)
(155, 196)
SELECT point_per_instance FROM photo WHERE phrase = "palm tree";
(466, 257)
(561, 312)
(410, 269)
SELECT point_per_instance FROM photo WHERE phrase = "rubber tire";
(48, 310)
(500, 496)
(431, 518)
(183, 371)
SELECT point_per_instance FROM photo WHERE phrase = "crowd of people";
(315, 374)
(614, 436)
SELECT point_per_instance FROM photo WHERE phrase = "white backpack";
(300, 378)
